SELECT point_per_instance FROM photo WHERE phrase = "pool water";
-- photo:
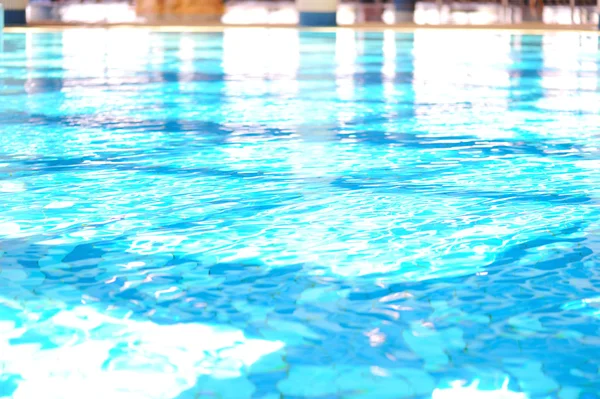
(279, 214)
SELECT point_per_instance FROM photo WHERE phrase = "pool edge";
(520, 28)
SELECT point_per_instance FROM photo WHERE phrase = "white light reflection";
(460, 71)
(95, 60)
(346, 51)
(388, 69)
(571, 72)
(30, 82)
(106, 53)
(311, 156)
(458, 390)
(259, 64)
(92, 355)
(459, 57)
(186, 54)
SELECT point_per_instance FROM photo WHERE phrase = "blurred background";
(276, 12)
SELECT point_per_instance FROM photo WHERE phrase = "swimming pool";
(273, 213)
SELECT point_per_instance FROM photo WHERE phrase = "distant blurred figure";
(371, 11)
(533, 11)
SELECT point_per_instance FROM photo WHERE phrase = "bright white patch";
(11, 187)
(457, 390)
(59, 205)
(57, 241)
(480, 249)
(104, 357)
(85, 234)
(133, 265)
(588, 164)
(9, 228)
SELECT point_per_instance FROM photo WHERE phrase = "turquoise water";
(274, 214)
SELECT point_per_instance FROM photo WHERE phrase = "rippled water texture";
(275, 214)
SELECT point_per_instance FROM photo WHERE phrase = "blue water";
(274, 214)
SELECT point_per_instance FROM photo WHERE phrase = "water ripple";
(356, 215)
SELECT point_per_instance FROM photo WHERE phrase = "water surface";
(275, 214)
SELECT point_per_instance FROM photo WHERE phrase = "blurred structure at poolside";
(307, 12)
